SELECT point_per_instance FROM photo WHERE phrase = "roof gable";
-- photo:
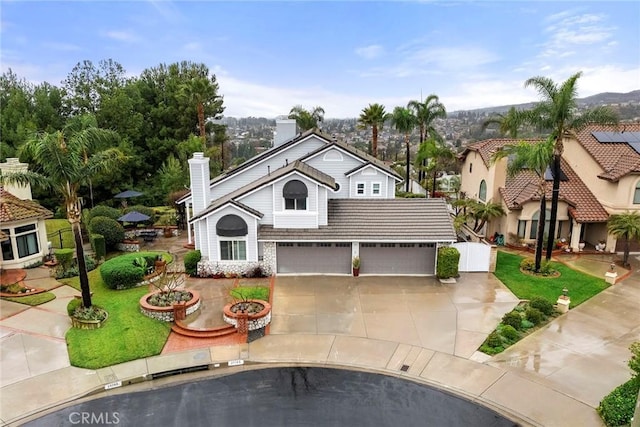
(14, 209)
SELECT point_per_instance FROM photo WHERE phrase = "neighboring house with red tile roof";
(581, 216)
(23, 222)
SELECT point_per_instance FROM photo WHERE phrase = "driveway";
(418, 311)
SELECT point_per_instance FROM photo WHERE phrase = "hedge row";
(109, 228)
(123, 272)
(448, 259)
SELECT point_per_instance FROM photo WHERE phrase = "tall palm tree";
(426, 113)
(535, 158)
(558, 113)
(373, 116)
(404, 121)
(508, 123)
(625, 225)
(198, 91)
(483, 212)
(306, 119)
(63, 163)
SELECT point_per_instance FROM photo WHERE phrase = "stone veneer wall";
(252, 324)
(128, 247)
(208, 268)
(167, 316)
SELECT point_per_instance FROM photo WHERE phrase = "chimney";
(13, 165)
(286, 129)
(199, 175)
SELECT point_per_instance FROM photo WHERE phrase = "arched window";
(295, 195)
(533, 233)
(636, 194)
(232, 231)
(482, 193)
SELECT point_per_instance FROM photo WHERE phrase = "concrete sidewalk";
(555, 377)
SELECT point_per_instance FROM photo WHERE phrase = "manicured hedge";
(98, 245)
(107, 211)
(64, 257)
(448, 258)
(191, 260)
(617, 408)
(122, 272)
(110, 228)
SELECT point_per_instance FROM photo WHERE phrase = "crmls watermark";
(94, 418)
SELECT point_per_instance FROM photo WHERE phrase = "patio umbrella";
(134, 216)
(127, 194)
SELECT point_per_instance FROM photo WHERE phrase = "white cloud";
(568, 31)
(370, 52)
(64, 47)
(122, 35)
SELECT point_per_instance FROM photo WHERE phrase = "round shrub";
(534, 315)
(494, 340)
(528, 264)
(512, 319)
(525, 324)
(109, 228)
(122, 272)
(543, 305)
(191, 260)
(510, 333)
(107, 211)
(143, 210)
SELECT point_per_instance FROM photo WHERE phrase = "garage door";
(397, 258)
(320, 258)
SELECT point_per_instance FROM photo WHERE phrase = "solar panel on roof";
(548, 175)
(635, 146)
(602, 136)
(631, 137)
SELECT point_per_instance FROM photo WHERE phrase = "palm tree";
(439, 154)
(198, 91)
(558, 112)
(508, 124)
(483, 212)
(63, 163)
(625, 225)
(306, 119)
(404, 121)
(373, 116)
(535, 158)
(426, 113)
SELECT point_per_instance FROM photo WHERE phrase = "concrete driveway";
(418, 311)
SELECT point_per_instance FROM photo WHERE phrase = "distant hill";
(593, 100)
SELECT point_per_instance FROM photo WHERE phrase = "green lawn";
(33, 300)
(250, 292)
(581, 286)
(126, 335)
(53, 226)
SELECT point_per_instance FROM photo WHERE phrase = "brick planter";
(87, 324)
(165, 314)
(254, 320)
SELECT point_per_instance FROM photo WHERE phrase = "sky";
(341, 55)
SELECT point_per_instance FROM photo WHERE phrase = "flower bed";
(259, 313)
(165, 313)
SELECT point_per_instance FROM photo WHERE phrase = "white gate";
(473, 256)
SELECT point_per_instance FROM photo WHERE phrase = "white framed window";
(376, 189)
(295, 195)
(482, 193)
(636, 194)
(26, 242)
(233, 250)
(360, 188)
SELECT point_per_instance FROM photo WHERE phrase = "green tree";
(558, 113)
(509, 124)
(404, 121)
(426, 113)
(534, 157)
(62, 162)
(198, 91)
(373, 116)
(306, 119)
(432, 157)
(626, 226)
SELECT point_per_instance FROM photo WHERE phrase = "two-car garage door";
(307, 257)
(376, 258)
(397, 258)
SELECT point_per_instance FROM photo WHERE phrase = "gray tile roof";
(379, 220)
(303, 168)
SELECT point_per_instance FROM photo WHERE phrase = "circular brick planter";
(166, 313)
(255, 320)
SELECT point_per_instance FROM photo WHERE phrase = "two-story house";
(311, 204)
(601, 177)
